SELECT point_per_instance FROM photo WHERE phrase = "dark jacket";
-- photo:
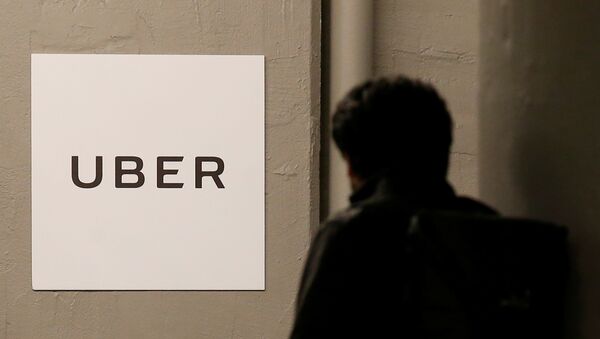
(354, 281)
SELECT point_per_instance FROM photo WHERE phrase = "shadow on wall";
(557, 158)
(540, 130)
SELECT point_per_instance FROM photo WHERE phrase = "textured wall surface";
(288, 33)
(437, 41)
(540, 153)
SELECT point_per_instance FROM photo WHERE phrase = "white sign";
(147, 172)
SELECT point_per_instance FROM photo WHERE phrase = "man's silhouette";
(395, 134)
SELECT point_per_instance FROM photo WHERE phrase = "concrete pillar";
(351, 53)
(540, 128)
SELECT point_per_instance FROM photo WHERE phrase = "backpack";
(485, 277)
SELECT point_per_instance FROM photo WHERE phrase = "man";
(395, 134)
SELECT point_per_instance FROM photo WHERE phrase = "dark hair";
(394, 123)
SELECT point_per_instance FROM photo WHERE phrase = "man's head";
(394, 124)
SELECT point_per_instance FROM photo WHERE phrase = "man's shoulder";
(359, 223)
(343, 218)
(339, 223)
(385, 216)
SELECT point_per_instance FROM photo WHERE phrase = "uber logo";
(147, 172)
(161, 172)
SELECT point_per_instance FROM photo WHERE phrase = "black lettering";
(137, 171)
(161, 172)
(75, 173)
(213, 174)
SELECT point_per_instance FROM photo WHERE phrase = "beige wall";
(437, 41)
(287, 32)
